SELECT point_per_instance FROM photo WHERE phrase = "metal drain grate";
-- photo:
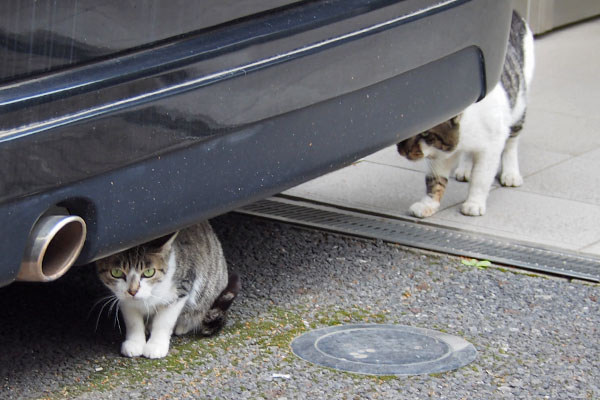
(430, 237)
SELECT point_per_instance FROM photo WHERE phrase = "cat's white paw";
(156, 349)
(132, 348)
(462, 174)
(513, 179)
(424, 208)
(473, 208)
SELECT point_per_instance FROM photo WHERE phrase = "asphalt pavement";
(537, 337)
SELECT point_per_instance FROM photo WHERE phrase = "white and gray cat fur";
(482, 137)
(178, 283)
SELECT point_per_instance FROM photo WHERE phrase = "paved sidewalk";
(559, 202)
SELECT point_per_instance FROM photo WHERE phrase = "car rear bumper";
(147, 142)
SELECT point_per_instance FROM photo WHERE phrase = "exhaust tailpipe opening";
(53, 246)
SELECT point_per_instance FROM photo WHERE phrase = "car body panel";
(152, 140)
(59, 34)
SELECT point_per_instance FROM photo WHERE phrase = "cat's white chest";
(165, 292)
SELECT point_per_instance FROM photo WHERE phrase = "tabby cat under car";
(178, 283)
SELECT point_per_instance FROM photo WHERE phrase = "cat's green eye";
(149, 273)
(116, 273)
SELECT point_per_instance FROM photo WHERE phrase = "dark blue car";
(121, 121)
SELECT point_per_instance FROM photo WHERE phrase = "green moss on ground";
(272, 332)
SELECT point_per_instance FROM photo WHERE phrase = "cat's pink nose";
(132, 292)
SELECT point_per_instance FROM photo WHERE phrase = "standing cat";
(177, 283)
(481, 137)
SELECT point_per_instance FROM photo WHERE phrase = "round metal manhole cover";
(384, 349)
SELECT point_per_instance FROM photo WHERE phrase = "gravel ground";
(536, 337)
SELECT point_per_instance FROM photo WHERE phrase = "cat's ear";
(163, 244)
(456, 120)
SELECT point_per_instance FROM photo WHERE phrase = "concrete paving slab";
(568, 95)
(568, 51)
(531, 217)
(575, 179)
(593, 249)
(558, 132)
(533, 159)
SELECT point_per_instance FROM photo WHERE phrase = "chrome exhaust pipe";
(53, 246)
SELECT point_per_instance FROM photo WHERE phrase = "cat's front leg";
(436, 181)
(510, 175)
(485, 165)
(463, 170)
(436, 186)
(162, 328)
(135, 335)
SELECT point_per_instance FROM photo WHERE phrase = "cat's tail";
(216, 317)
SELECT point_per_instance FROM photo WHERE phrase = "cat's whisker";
(100, 300)
(107, 300)
(115, 302)
(118, 324)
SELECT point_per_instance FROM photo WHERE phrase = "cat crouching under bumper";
(480, 139)
(176, 284)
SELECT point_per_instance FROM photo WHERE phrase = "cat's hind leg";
(214, 319)
(436, 182)
(510, 175)
(464, 168)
